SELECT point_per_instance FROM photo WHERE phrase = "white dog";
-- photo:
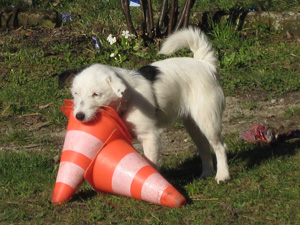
(157, 94)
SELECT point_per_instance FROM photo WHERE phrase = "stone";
(26, 18)
(285, 22)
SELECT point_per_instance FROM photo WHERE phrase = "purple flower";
(97, 46)
(66, 17)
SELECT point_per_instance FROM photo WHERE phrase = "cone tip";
(172, 198)
(62, 193)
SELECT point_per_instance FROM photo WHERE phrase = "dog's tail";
(192, 38)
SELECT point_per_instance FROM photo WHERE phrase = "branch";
(148, 26)
(187, 13)
(162, 16)
(184, 15)
(126, 11)
(150, 20)
(143, 7)
(173, 12)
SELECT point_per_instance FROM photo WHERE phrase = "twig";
(198, 198)
(183, 18)
(4, 111)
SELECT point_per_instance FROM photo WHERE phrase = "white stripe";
(70, 173)
(82, 142)
(153, 188)
(125, 172)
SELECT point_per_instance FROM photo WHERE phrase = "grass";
(265, 179)
(261, 191)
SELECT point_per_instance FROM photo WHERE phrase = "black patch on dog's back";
(149, 72)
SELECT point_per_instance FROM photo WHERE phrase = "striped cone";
(120, 170)
(82, 143)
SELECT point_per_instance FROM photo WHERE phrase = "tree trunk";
(173, 12)
(162, 18)
(126, 11)
(148, 26)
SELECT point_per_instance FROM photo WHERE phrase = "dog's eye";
(96, 95)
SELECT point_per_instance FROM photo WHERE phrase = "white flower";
(126, 34)
(112, 55)
(111, 39)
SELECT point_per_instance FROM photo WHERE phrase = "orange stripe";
(139, 179)
(105, 114)
(76, 158)
(102, 127)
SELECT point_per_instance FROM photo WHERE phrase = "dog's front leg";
(151, 146)
(143, 127)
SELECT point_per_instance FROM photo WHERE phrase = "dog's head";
(96, 86)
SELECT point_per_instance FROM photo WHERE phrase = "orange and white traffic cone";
(120, 170)
(82, 143)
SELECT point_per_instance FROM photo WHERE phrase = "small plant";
(250, 105)
(224, 34)
(122, 46)
(291, 112)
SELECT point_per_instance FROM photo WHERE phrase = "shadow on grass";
(253, 156)
(83, 195)
(257, 154)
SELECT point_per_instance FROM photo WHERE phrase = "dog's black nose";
(80, 116)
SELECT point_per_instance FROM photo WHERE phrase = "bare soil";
(239, 116)
(241, 113)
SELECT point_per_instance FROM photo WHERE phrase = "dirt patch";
(244, 111)
(241, 113)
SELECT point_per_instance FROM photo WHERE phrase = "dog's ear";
(116, 84)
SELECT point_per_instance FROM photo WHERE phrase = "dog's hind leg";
(214, 137)
(202, 145)
(222, 165)
(211, 128)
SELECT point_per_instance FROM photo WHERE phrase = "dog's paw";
(222, 177)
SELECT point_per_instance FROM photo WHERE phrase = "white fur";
(187, 88)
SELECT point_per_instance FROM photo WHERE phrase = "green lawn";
(265, 185)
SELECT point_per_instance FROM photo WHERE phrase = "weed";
(294, 111)
(250, 105)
